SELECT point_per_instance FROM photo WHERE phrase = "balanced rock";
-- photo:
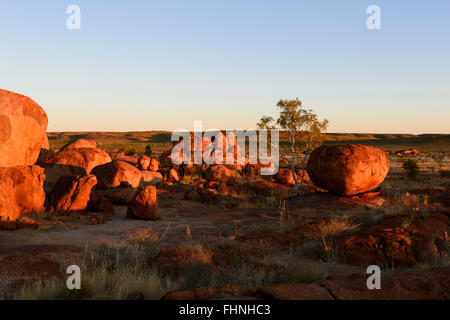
(86, 158)
(71, 194)
(145, 204)
(21, 191)
(347, 169)
(110, 175)
(23, 125)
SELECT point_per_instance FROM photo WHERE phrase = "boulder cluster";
(81, 176)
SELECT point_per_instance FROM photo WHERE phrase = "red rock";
(173, 175)
(408, 152)
(220, 173)
(154, 165)
(397, 240)
(122, 157)
(53, 172)
(45, 143)
(119, 196)
(80, 144)
(143, 162)
(45, 153)
(144, 204)
(86, 158)
(254, 170)
(111, 174)
(285, 176)
(71, 194)
(23, 125)
(21, 191)
(347, 169)
(165, 160)
(151, 177)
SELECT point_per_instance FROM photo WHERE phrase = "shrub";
(411, 168)
(444, 173)
(130, 152)
(148, 151)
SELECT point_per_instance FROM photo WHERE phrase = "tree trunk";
(303, 171)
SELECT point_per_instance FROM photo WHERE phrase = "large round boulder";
(144, 204)
(71, 194)
(347, 169)
(23, 126)
(80, 144)
(21, 191)
(112, 174)
(86, 158)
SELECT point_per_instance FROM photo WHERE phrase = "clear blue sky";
(147, 65)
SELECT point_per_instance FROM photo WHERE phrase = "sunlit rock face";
(23, 126)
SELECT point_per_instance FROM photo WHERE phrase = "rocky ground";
(139, 229)
(315, 246)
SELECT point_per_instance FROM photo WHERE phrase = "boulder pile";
(23, 126)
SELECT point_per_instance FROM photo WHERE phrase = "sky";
(159, 65)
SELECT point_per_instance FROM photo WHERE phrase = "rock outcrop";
(143, 162)
(71, 194)
(86, 158)
(398, 241)
(112, 174)
(144, 205)
(21, 191)
(151, 177)
(347, 169)
(80, 144)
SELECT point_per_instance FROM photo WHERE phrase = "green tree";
(304, 131)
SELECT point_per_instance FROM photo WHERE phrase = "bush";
(148, 151)
(444, 173)
(411, 168)
(130, 152)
